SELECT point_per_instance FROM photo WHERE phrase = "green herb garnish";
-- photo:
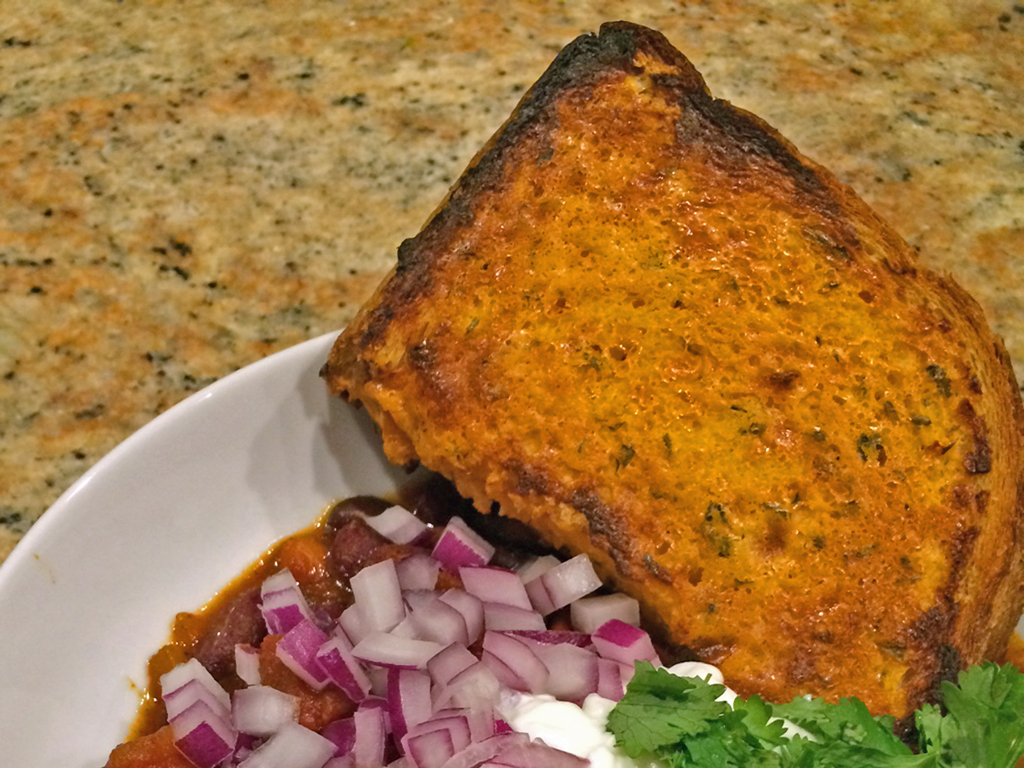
(679, 721)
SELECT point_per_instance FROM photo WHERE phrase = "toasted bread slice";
(645, 324)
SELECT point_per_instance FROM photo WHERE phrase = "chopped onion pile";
(425, 667)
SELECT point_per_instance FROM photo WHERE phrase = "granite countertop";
(188, 187)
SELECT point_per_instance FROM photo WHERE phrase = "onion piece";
(482, 751)
(397, 524)
(355, 627)
(370, 738)
(589, 613)
(291, 747)
(192, 671)
(379, 595)
(202, 736)
(472, 611)
(386, 650)
(341, 733)
(624, 643)
(447, 663)
(459, 545)
(439, 622)
(572, 671)
(500, 617)
(414, 598)
(495, 585)
(539, 597)
(260, 710)
(609, 679)
(537, 754)
(454, 721)
(569, 581)
(554, 636)
(409, 702)
(247, 663)
(297, 650)
(342, 761)
(534, 568)
(428, 750)
(336, 659)
(417, 571)
(518, 657)
(475, 687)
(194, 691)
(282, 603)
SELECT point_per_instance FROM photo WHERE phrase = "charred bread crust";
(810, 470)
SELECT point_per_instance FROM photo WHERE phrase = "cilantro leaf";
(984, 723)
(678, 721)
(660, 709)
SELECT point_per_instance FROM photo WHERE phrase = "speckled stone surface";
(188, 187)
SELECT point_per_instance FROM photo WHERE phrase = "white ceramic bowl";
(156, 527)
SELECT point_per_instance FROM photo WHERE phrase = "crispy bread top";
(645, 324)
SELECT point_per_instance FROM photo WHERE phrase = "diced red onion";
(539, 597)
(379, 703)
(260, 710)
(554, 636)
(428, 750)
(336, 659)
(624, 643)
(189, 672)
(572, 671)
(386, 650)
(454, 721)
(202, 736)
(537, 754)
(414, 598)
(609, 679)
(405, 628)
(570, 581)
(401, 762)
(495, 585)
(503, 672)
(378, 680)
(439, 622)
(342, 761)
(482, 751)
(409, 702)
(341, 733)
(398, 524)
(354, 625)
(297, 650)
(534, 568)
(459, 546)
(500, 617)
(291, 747)
(193, 691)
(417, 571)
(517, 656)
(247, 663)
(379, 595)
(282, 603)
(371, 736)
(447, 663)
(589, 613)
(472, 611)
(480, 722)
(474, 687)
(500, 726)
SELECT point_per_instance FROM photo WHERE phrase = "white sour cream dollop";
(582, 731)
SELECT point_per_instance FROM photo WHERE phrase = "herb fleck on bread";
(646, 325)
